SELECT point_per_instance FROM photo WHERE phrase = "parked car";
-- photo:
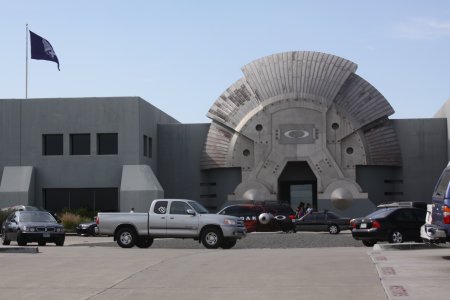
(323, 221)
(89, 228)
(394, 224)
(32, 226)
(437, 228)
(262, 216)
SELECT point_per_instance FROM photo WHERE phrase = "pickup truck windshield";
(198, 207)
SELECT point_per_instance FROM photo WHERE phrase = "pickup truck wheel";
(212, 238)
(144, 242)
(228, 243)
(126, 237)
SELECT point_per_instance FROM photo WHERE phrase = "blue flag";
(42, 49)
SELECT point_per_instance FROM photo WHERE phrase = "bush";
(3, 215)
(70, 220)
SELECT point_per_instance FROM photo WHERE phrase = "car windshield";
(34, 216)
(381, 213)
(198, 207)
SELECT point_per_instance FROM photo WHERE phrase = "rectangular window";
(145, 145)
(107, 143)
(52, 144)
(80, 144)
(150, 147)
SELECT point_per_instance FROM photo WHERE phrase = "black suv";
(262, 215)
(396, 224)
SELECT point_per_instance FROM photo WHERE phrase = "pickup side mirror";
(190, 212)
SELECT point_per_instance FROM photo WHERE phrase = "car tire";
(60, 242)
(126, 237)
(212, 238)
(228, 243)
(20, 240)
(42, 243)
(144, 242)
(5, 241)
(396, 236)
(368, 243)
(333, 229)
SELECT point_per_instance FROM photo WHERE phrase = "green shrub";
(70, 220)
(3, 215)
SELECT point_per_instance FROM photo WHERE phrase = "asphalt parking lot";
(96, 268)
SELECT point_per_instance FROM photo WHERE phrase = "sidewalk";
(413, 271)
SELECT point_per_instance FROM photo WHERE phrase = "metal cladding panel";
(382, 146)
(234, 104)
(360, 100)
(215, 150)
(304, 74)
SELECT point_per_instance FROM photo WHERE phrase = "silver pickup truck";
(172, 218)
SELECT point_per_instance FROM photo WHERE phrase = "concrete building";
(298, 126)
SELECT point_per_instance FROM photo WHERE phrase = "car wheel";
(228, 243)
(396, 237)
(212, 238)
(21, 241)
(368, 243)
(42, 243)
(5, 241)
(126, 237)
(333, 229)
(144, 242)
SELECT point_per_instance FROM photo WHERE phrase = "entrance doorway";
(297, 183)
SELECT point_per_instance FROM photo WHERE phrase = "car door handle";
(172, 218)
(162, 218)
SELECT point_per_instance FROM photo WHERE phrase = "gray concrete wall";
(180, 147)
(149, 117)
(27, 120)
(423, 144)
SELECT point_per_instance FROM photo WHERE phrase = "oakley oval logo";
(296, 134)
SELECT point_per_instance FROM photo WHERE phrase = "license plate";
(46, 234)
(363, 225)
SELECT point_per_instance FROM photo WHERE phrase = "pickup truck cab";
(172, 218)
(437, 226)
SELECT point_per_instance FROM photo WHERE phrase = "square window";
(80, 144)
(52, 144)
(107, 143)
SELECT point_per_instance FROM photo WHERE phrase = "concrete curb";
(405, 246)
(19, 250)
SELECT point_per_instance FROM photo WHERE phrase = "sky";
(182, 55)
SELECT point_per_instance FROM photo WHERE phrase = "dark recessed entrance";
(297, 183)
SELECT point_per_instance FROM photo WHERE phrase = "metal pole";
(26, 63)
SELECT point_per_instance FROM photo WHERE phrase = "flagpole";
(26, 63)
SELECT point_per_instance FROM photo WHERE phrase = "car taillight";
(446, 211)
(97, 220)
(376, 224)
(292, 217)
(353, 223)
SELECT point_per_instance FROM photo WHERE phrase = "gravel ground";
(252, 241)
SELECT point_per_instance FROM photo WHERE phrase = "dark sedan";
(32, 226)
(89, 228)
(323, 221)
(393, 224)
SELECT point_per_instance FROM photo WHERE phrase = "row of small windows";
(80, 144)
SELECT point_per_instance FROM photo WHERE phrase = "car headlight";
(84, 226)
(29, 229)
(59, 230)
(229, 222)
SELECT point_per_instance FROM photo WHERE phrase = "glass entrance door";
(301, 193)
